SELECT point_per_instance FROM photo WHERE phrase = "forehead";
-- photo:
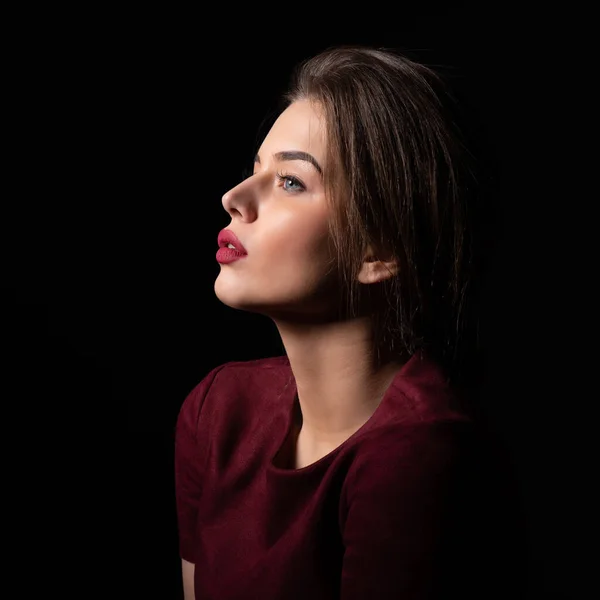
(299, 127)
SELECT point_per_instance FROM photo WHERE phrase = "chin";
(231, 295)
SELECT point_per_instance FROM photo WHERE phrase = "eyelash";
(282, 177)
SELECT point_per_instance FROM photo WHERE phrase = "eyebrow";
(295, 155)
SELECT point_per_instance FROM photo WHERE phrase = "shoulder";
(234, 379)
(415, 441)
(411, 458)
(243, 375)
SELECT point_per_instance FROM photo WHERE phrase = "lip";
(228, 237)
(228, 255)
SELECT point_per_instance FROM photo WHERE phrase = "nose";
(240, 198)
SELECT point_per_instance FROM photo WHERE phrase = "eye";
(290, 183)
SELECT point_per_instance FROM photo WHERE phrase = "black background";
(126, 137)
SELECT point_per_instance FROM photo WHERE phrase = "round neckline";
(292, 405)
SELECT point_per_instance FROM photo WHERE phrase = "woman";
(332, 471)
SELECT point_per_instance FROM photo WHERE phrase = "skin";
(287, 275)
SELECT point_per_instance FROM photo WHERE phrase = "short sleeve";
(395, 498)
(189, 464)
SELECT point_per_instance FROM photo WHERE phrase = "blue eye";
(290, 183)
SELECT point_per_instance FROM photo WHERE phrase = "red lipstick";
(225, 254)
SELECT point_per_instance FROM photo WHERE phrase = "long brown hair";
(401, 181)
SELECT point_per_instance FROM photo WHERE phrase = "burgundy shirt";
(377, 518)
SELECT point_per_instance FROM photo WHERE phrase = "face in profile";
(280, 215)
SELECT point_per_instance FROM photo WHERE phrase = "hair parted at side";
(400, 179)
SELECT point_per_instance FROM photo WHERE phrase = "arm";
(187, 571)
(395, 496)
(190, 456)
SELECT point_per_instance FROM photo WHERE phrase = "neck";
(340, 382)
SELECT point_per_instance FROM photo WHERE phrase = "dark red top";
(377, 518)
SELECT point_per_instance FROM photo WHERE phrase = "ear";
(374, 270)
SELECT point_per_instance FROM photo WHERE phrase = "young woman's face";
(280, 215)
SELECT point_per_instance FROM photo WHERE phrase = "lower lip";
(227, 255)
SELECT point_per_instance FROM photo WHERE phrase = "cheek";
(297, 244)
(298, 270)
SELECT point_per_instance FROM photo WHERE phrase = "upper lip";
(228, 237)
